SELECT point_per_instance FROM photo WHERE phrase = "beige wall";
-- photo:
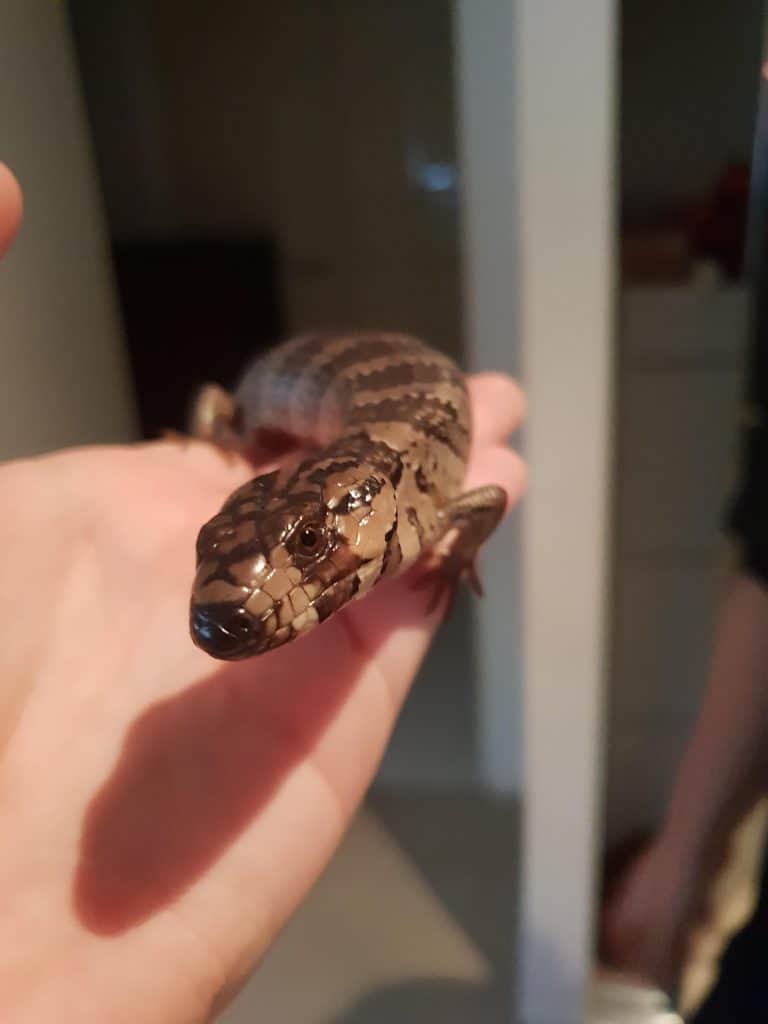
(64, 378)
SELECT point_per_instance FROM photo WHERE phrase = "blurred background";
(559, 194)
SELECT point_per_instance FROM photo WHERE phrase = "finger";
(10, 208)
(498, 406)
(497, 464)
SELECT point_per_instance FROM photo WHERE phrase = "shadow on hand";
(197, 767)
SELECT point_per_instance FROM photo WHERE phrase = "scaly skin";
(292, 547)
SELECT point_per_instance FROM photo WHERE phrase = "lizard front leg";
(217, 418)
(466, 523)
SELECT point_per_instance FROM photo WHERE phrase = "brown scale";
(386, 420)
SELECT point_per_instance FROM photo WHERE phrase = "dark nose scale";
(222, 630)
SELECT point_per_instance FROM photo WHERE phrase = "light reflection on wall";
(437, 178)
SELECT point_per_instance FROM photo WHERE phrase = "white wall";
(64, 377)
(565, 134)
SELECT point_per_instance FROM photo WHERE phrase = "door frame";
(536, 93)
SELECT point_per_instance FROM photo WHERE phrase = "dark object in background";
(194, 311)
(664, 249)
(740, 995)
(717, 228)
(655, 255)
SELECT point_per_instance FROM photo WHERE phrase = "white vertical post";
(485, 87)
(565, 93)
(536, 110)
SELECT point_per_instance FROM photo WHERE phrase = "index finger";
(10, 208)
(498, 407)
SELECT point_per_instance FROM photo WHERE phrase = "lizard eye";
(309, 538)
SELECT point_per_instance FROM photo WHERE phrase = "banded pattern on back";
(388, 418)
(392, 386)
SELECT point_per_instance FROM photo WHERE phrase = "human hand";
(164, 813)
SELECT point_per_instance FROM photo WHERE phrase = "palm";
(165, 808)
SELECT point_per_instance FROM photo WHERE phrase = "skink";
(388, 421)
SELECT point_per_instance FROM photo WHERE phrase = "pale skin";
(164, 814)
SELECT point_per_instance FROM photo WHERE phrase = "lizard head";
(279, 560)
